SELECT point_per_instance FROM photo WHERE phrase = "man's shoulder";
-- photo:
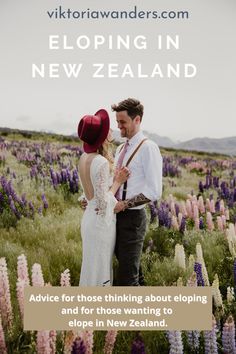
(150, 144)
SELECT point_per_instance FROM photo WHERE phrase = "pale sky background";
(178, 108)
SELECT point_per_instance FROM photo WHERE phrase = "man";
(144, 185)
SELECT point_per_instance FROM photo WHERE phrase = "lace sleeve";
(105, 200)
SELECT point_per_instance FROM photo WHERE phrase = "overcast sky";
(180, 108)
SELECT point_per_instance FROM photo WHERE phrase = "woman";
(98, 226)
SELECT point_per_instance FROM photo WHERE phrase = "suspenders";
(127, 163)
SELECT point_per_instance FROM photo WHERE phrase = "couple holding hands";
(116, 192)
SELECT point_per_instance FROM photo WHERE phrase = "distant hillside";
(223, 146)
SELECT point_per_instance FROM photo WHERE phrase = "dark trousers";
(130, 233)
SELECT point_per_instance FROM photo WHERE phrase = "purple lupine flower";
(182, 225)
(40, 210)
(201, 223)
(138, 346)
(175, 340)
(210, 339)
(228, 336)
(193, 339)
(78, 346)
(234, 274)
(198, 271)
(45, 203)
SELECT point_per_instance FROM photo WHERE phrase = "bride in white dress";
(98, 226)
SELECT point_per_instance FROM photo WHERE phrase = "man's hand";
(120, 206)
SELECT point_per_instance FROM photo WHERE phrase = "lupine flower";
(110, 341)
(138, 345)
(193, 339)
(179, 256)
(201, 223)
(78, 346)
(198, 270)
(52, 341)
(88, 341)
(5, 297)
(210, 224)
(228, 336)
(234, 273)
(210, 339)
(45, 203)
(174, 223)
(22, 269)
(216, 292)
(219, 223)
(200, 260)
(68, 341)
(175, 340)
(65, 278)
(196, 223)
(20, 287)
(43, 343)
(230, 295)
(3, 348)
(189, 208)
(37, 275)
(182, 225)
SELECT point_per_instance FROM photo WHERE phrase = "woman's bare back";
(85, 176)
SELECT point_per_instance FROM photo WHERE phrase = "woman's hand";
(120, 206)
(122, 175)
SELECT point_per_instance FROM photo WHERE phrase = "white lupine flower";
(230, 295)
(191, 261)
(216, 292)
(180, 256)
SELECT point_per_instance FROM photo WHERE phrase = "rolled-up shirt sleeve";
(152, 168)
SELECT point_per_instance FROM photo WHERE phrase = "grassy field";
(40, 218)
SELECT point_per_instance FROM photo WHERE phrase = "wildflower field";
(191, 241)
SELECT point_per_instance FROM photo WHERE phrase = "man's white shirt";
(145, 168)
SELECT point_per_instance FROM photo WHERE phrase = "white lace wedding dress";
(98, 228)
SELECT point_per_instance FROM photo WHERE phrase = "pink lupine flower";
(3, 348)
(37, 275)
(212, 206)
(195, 211)
(52, 341)
(192, 281)
(5, 297)
(43, 343)
(201, 204)
(180, 216)
(208, 204)
(183, 209)
(196, 223)
(222, 206)
(20, 287)
(88, 341)
(227, 214)
(172, 208)
(174, 222)
(210, 224)
(189, 208)
(110, 341)
(219, 223)
(223, 221)
(65, 278)
(22, 269)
